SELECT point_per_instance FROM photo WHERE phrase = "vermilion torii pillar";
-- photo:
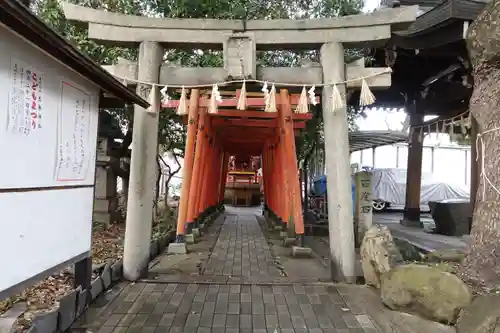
(205, 168)
(283, 189)
(179, 245)
(225, 167)
(296, 220)
(196, 173)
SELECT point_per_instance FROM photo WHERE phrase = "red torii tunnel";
(213, 137)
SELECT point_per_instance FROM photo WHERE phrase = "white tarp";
(389, 185)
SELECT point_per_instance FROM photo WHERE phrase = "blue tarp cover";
(320, 189)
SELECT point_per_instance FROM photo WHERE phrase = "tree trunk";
(158, 179)
(481, 266)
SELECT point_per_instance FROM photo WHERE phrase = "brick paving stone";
(243, 250)
(233, 308)
(204, 330)
(219, 320)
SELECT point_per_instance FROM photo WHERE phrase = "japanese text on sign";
(25, 99)
(365, 194)
(73, 156)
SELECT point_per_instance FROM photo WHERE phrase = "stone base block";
(102, 217)
(190, 239)
(177, 248)
(196, 232)
(411, 223)
(289, 241)
(301, 252)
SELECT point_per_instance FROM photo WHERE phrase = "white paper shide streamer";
(215, 98)
(271, 100)
(462, 125)
(154, 107)
(366, 97)
(182, 109)
(337, 100)
(242, 100)
(265, 90)
(164, 95)
(302, 106)
(312, 95)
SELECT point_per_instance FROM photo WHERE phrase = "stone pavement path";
(242, 250)
(184, 306)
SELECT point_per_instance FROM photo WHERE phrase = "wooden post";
(265, 172)
(286, 199)
(268, 183)
(287, 168)
(222, 182)
(197, 165)
(279, 183)
(215, 169)
(203, 166)
(411, 215)
(221, 174)
(206, 167)
(338, 170)
(213, 174)
(225, 167)
(292, 170)
(188, 164)
(209, 174)
(272, 185)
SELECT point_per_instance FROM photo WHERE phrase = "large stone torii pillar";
(338, 169)
(240, 40)
(142, 167)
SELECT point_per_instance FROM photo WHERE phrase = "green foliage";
(171, 131)
(51, 13)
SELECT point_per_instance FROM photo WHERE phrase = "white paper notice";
(73, 153)
(25, 99)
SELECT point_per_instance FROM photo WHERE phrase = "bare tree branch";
(173, 173)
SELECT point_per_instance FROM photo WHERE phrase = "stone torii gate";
(240, 40)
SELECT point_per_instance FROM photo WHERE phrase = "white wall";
(47, 170)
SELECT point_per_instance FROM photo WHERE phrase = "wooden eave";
(16, 17)
(439, 26)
